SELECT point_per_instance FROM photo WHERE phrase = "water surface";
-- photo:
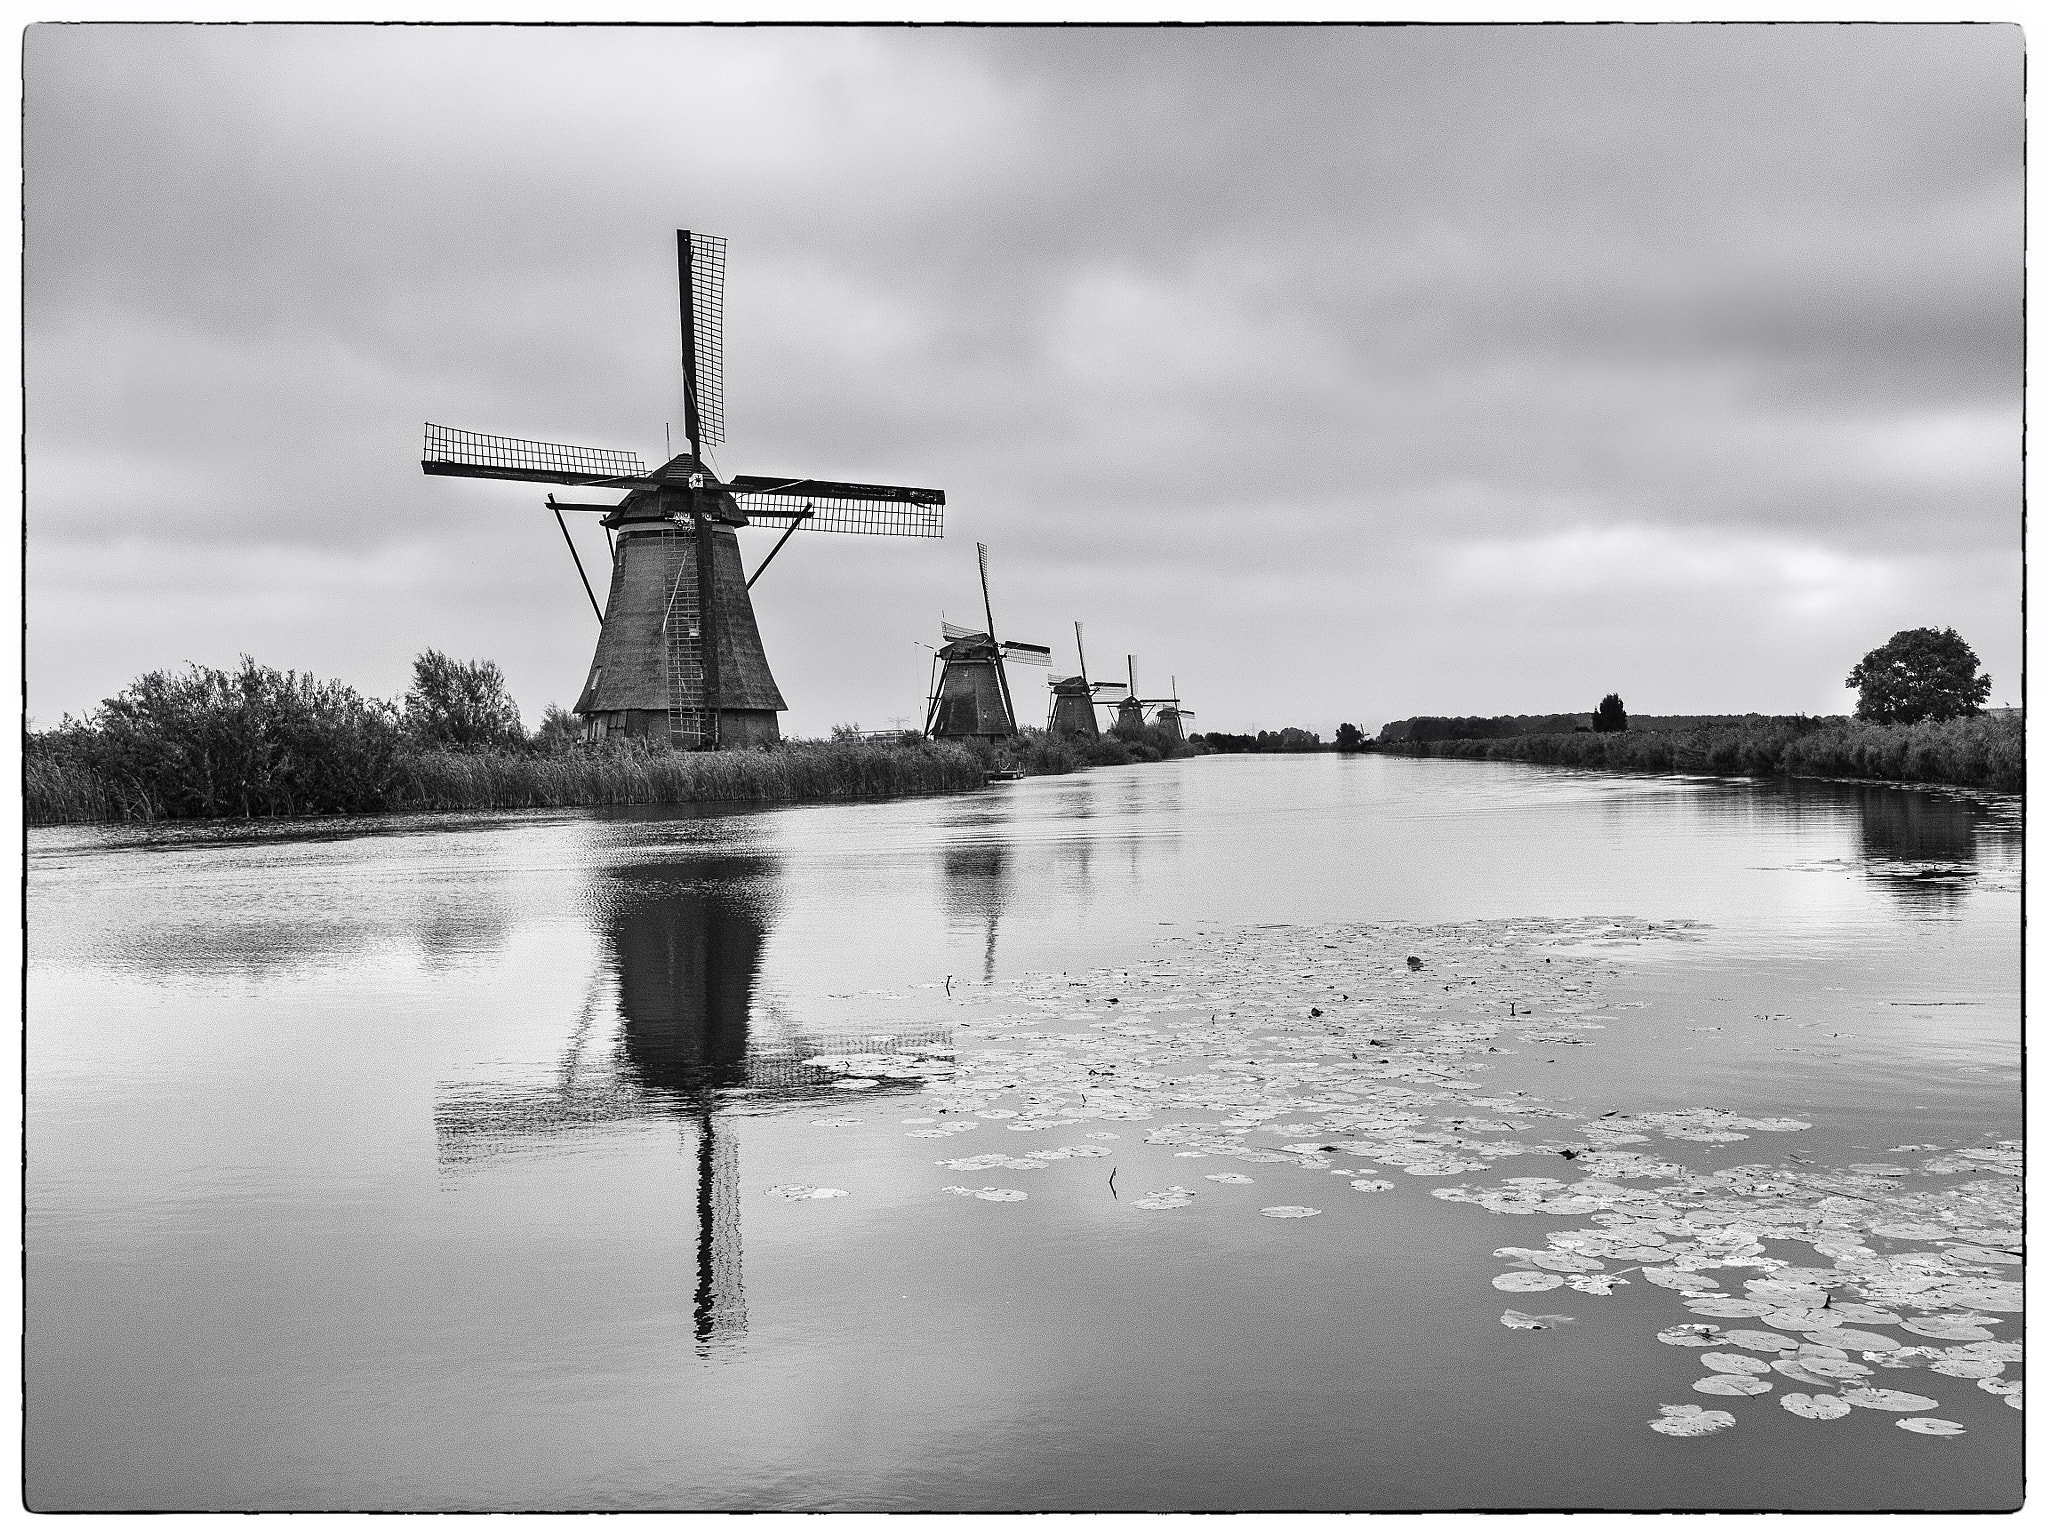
(427, 1163)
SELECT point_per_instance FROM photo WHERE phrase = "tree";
(460, 704)
(559, 730)
(1610, 716)
(1349, 737)
(1919, 674)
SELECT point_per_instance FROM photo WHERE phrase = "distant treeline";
(1495, 727)
(1981, 751)
(1289, 739)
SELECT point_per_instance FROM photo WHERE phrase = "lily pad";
(990, 1193)
(804, 1192)
(1732, 1386)
(1680, 1280)
(1931, 1426)
(1850, 1338)
(1513, 1319)
(1295, 1212)
(1734, 1365)
(1726, 1306)
(1690, 1335)
(1164, 1199)
(1944, 1328)
(1818, 1405)
(1837, 1370)
(1523, 1280)
(1595, 1285)
(1756, 1338)
(1371, 1186)
(1886, 1400)
(1798, 1372)
(1226, 1178)
(1686, 1420)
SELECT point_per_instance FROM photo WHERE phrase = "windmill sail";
(701, 259)
(483, 456)
(1026, 654)
(841, 506)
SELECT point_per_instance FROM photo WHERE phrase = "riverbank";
(1980, 752)
(59, 789)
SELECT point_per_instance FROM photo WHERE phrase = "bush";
(1610, 716)
(460, 704)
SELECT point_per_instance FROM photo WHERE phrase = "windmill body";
(679, 656)
(973, 696)
(648, 676)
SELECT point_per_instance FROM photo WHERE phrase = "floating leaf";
(1931, 1426)
(1371, 1186)
(1944, 1328)
(1887, 1401)
(1226, 1178)
(1165, 1199)
(1837, 1370)
(1797, 1370)
(1734, 1365)
(836, 1123)
(990, 1193)
(1680, 1280)
(1595, 1285)
(1819, 1405)
(1732, 1386)
(1726, 1306)
(1850, 1338)
(1756, 1338)
(1513, 1319)
(804, 1192)
(1689, 1419)
(1292, 1212)
(1524, 1280)
(1978, 1255)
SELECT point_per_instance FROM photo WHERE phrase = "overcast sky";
(1343, 374)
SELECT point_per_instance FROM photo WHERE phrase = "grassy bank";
(1980, 752)
(61, 787)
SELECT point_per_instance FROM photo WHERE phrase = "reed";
(60, 784)
(1977, 752)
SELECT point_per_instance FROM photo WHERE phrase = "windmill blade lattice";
(484, 456)
(707, 324)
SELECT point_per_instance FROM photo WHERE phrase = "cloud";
(1258, 347)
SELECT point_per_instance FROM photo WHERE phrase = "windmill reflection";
(683, 944)
(977, 891)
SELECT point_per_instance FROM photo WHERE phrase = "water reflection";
(977, 876)
(683, 942)
(1921, 847)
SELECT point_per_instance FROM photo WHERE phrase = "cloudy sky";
(1343, 374)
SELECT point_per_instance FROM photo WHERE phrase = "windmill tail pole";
(1002, 673)
(578, 559)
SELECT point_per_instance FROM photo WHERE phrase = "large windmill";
(679, 656)
(1072, 712)
(973, 693)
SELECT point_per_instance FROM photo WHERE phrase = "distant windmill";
(1074, 698)
(1130, 714)
(679, 656)
(973, 693)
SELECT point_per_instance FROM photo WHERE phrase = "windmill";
(1074, 698)
(679, 655)
(1130, 713)
(973, 693)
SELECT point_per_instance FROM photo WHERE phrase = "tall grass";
(57, 790)
(1982, 751)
